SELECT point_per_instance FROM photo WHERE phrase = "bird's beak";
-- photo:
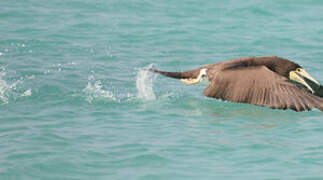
(302, 77)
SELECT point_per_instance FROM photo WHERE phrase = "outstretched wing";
(260, 86)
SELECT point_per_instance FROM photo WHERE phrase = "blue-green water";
(76, 104)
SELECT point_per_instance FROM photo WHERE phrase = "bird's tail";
(179, 75)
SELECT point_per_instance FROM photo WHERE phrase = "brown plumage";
(262, 81)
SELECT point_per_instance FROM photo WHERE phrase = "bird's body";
(264, 81)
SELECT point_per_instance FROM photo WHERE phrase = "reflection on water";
(212, 110)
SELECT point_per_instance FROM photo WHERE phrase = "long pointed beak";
(304, 74)
(301, 76)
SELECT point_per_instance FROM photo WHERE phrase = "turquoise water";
(75, 102)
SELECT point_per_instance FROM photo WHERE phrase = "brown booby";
(264, 81)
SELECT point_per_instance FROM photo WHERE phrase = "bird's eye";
(298, 70)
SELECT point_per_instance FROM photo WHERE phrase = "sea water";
(76, 101)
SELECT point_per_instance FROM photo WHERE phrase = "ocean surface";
(76, 102)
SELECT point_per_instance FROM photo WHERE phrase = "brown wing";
(260, 86)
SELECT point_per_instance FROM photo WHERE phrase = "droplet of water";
(27, 93)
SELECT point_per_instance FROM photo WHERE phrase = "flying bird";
(263, 81)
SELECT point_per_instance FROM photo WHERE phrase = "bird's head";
(294, 72)
(300, 76)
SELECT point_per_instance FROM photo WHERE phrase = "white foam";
(11, 91)
(27, 93)
(4, 89)
(144, 84)
(94, 90)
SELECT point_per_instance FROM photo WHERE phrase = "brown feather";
(179, 75)
(260, 86)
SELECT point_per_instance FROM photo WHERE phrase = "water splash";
(144, 84)
(11, 91)
(4, 89)
(27, 93)
(94, 90)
